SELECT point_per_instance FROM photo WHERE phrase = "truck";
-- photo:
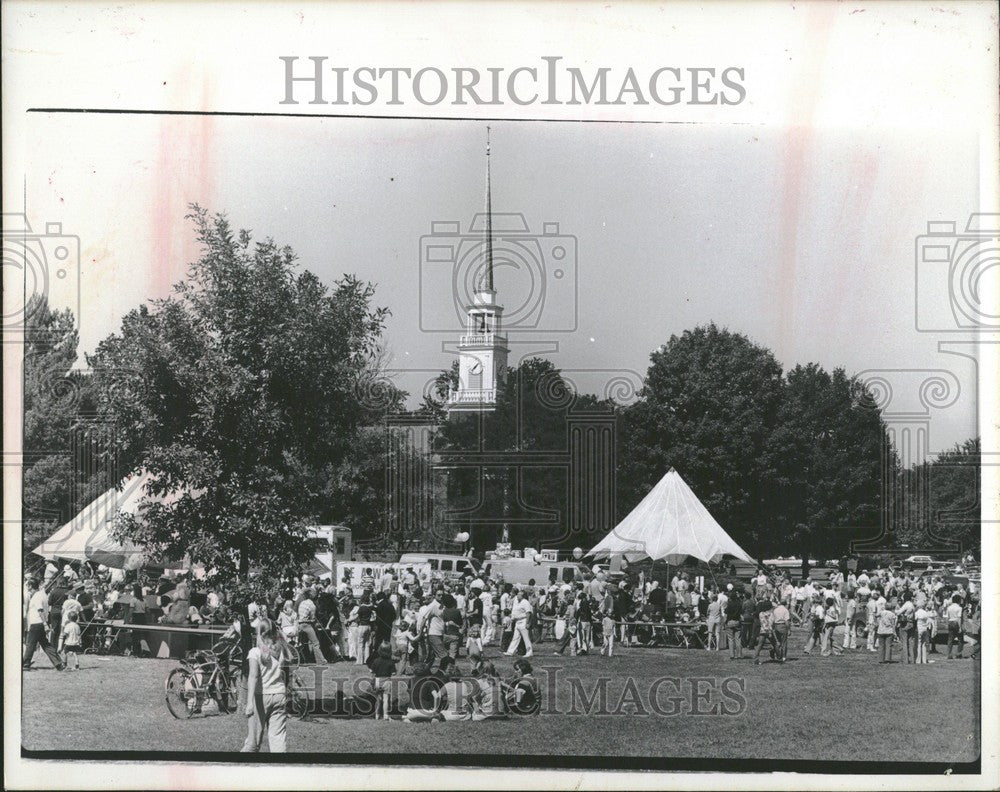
(544, 571)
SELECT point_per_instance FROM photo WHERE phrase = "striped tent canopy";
(88, 536)
(671, 524)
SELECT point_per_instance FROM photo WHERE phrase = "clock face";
(477, 368)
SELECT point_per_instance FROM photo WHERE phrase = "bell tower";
(482, 349)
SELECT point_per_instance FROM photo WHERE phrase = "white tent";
(87, 537)
(670, 524)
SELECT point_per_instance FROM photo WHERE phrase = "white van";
(443, 565)
(521, 571)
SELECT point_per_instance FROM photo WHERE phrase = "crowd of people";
(89, 595)
(418, 632)
(874, 611)
(422, 623)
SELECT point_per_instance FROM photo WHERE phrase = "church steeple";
(488, 275)
(482, 349)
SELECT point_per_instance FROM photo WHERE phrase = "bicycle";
(201, 676)
(297, 696)
(104, 638)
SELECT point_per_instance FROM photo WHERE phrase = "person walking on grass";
(924, 616)
(850, 621)
(266, 697)
(765, 613)
(38, 618)
(886, 632)
(816, 616)
(608, 630)
(69, 641)
(569, 631)
(782, 624)
(907, 627)
(748, 618)
(520, 611)
(306, 621)
(830, 620)
(955, 614)
(715, 619)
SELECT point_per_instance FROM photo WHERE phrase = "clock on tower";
(482, 349)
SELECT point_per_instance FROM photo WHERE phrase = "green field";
(809, 708)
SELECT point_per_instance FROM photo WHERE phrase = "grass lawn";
(815, 708)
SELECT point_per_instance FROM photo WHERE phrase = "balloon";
(462, 537)
(577, 553)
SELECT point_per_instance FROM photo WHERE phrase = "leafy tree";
(239, 393)
(709, 405)
(942, 501)
(826, 451)
(488, 476)
(54, 396)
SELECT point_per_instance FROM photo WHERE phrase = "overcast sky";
(801, 239)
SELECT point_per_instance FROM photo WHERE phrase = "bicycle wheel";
(95, 641)
(227, 695)
(298, 697)
(182, 694)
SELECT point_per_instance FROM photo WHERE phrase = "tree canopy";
(785, 462)
(239, 393)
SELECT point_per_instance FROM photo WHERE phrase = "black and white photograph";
(521, 396)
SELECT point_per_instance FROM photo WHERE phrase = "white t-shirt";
(954, 612)
(271, 679)
(38, 608)
(520, 610)
(924, 619)
(307, 610)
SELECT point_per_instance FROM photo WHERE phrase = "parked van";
(521, 571)
(443, 565)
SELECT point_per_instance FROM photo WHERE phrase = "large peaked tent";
(670, 523)
(87, 537)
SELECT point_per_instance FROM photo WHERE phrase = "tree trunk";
(245, 643)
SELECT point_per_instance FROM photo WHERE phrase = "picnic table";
(164, 640)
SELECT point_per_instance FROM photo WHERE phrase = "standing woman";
(714, 622)
(266, 691)
(830, 620)
(137, 615)
(583, 623)
(365, 615)
(734, 607)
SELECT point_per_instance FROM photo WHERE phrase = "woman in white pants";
(519, 613)
(265, 709)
